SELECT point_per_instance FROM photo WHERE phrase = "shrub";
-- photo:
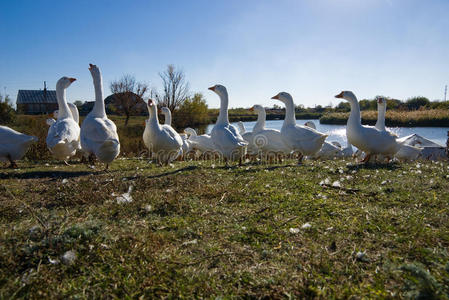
(7, 113)
(192, 112)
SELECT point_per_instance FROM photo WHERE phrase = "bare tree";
(176, 89)
(128, 93)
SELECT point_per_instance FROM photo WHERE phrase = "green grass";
(198, 230)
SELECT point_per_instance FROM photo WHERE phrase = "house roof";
(36, 96)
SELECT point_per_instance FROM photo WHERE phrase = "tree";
(128, 93)
(193, 111)
(7, 112)
(415, 103)
(343, 107)
(176, 89)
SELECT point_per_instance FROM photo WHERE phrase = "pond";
(338, 132)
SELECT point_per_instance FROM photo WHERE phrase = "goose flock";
(97, 136)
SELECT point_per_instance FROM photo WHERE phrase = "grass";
(198, 230)
(421, 118)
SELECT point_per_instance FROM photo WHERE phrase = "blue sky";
(310, 48)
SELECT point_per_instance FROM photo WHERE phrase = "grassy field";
(195, 229)
(421, 118)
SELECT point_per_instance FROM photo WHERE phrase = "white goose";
(300, 138)
(202, 143)
(406, 152)
(14, 145)
(163, 141)
(63, 139)
(99, 134)
(269, 142)
(367, 138)
(186, 144)
(226, 138)
(328, 150)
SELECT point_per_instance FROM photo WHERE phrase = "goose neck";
(260, 124)
(223, 115)
(290, 118)
(354, 116)
(63, 108)
(99, 107)
(153, 118)
(380, 124)
(167, 118)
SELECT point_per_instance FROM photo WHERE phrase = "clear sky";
(310, 48)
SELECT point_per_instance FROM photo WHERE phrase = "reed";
(417, 118)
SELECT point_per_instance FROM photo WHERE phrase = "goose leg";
(13, 164)
(300, 157)
(83, 160)
(92, 159)
(366, 159)
(66, 163)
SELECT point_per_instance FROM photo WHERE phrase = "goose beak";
(339, 95)
(275, 97)
(150, 102)
(212, 88)
(72, 79)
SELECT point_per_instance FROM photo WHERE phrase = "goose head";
(283, 97)
(64, 82)
(165, 111)
(94, 70)
(310, 124)
(151, 105)
(257, 108)
(347, 95)
(381, 101)
(219, 89)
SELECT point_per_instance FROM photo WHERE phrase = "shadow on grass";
(254, 167)
(188, 168)
(44, 174)
(374, 166)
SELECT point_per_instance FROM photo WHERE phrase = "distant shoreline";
(419, 118)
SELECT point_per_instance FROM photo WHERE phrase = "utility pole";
(445, 92)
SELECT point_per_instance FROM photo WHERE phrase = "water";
(338, 132)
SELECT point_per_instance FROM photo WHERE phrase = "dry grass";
(196, 230)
